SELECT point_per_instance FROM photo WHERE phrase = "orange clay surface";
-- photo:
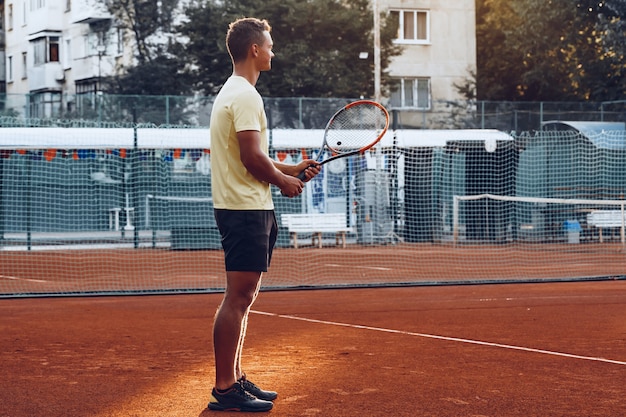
(113, 270)
(540, 349)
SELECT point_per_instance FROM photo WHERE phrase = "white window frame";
(37, 4)
(90, 44)
(415, 39)
(10, 69)
(67, 54)
(24, 14)
(414, 102)
(10, 17)
(42, 49)
(39, 51)
(46, 104)
(24, 65)
(119, 41)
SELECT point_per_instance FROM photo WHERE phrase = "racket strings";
(355, 128)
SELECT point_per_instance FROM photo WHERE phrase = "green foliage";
(159, 76)
(144, 18)
(316, 42)
(157, 72)
(552, 50)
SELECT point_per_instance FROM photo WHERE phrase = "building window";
(10, 69)
(10, 17)
(45, 104)
(120, 41)
(24, 66)
(45, 49)
(67, 55)
(90, 44)
(53, 49)
(86, 93)
(411, 93)
(37, 4)
(413, 26)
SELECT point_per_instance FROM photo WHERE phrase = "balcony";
(92, 67)
(89, 11)
(46, 18)
(49, 76)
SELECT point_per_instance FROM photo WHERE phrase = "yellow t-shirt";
(237, 107)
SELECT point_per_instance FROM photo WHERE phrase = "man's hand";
(310, 167)
(291, 186)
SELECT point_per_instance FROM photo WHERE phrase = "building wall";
(448, 56)
(78, 56)
(444, 59)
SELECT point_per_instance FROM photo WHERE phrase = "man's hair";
(243, 33)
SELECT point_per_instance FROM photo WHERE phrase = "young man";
(241, 174)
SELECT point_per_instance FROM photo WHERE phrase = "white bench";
(605, 219)
(316, 224)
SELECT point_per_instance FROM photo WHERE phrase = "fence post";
(482, 114)
(29, 197)
(2, 219)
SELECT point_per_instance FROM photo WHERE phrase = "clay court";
(120, 271)
(485, 350)
(476, 344)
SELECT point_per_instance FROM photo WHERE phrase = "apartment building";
(56, 51)
(439, 50)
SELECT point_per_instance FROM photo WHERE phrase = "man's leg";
(229, 326)
(242, 337)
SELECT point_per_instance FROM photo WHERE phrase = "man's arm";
(262, 167)
(309, 166)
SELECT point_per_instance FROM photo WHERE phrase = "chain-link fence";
(300, 113)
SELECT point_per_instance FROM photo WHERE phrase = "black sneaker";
(236, 398)
(256, 391)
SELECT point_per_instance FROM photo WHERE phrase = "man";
(241, 174)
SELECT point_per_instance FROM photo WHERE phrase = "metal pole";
(377, 70)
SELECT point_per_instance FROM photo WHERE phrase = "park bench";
(603, 219)
(316, 224)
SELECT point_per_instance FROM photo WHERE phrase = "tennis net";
(130, 211)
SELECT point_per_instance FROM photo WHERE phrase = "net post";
(148, 224)
(622, 231)
(455, 219)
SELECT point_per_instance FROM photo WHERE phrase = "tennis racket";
(352, 130)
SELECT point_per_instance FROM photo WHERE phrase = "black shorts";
(248, 238)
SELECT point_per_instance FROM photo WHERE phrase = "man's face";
(264, 53)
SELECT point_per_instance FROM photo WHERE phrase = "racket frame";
(361, 150)
(353, 152)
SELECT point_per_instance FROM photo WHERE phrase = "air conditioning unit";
(59, 75)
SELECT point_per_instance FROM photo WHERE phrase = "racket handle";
(301, 176)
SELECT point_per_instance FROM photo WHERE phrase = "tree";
(497, 74)
(604, 69)
(550, 50)
(156, 70)
(317, 46)
(148, 21)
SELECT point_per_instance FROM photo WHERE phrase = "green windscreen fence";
(128, 210)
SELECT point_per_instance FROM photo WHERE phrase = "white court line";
(21, 279)
(375, 268)
(451, 339)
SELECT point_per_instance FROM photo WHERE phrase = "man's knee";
(241, 288)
